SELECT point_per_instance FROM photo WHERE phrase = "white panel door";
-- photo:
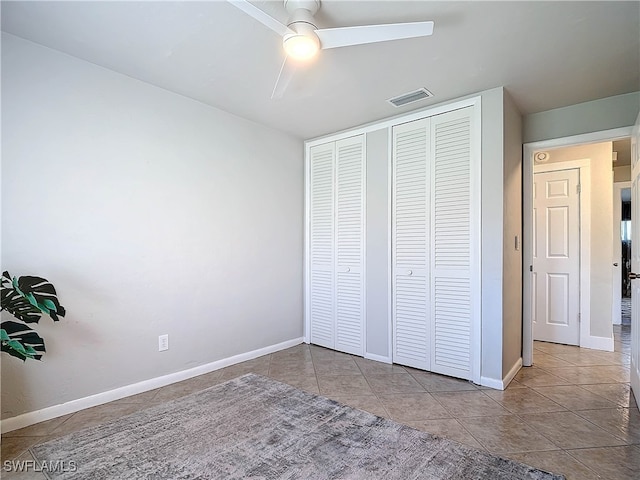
(410, 220)
(635, 260)
(451, 248)
(321, 245)
(349, 245)
(556, 257)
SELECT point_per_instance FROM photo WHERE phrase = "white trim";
(511, 373)
(396, 120)
(597, 343)
(476, 249)
(502, 384)
(527, 204)
(37, 416)
(491, 383)
(390, 167)
(378, 358)
(635, 318)
(616, 286)
(306, 267)
(363, 237)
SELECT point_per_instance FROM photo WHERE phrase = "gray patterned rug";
(255, 427)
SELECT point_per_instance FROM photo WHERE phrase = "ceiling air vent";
(405, 99)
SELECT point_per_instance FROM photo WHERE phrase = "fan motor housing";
(311, 6)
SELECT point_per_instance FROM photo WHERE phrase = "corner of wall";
(512, 236)
(492, 228)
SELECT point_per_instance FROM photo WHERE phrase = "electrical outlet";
(163, 342)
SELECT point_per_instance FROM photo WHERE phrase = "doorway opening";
(596, 256)
(621, 309)
(625, 243)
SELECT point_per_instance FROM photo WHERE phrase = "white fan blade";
(287, 72)
(262, 17)
(345, 36)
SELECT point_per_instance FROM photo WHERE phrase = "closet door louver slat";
(349, 245)
(451, 239)
(409, 245)
(321, 240)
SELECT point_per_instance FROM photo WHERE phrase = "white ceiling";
(547, 54)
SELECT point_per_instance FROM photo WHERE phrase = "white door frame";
(635, 316)
(616, 304)
(527, 210)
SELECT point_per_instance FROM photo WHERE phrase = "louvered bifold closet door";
(410, 223)
(321, 245)
(452, 239)
(349, 243)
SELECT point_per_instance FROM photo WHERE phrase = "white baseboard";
(377, 358)
(502, 384)
(491, 383)
(597, 343)
(511, 373)
(37, 416)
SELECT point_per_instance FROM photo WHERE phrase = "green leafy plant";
(27, 299)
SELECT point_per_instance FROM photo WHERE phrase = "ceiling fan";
(302, 39)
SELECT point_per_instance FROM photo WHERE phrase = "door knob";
(615, 264)
(409, 272)
(633, 276)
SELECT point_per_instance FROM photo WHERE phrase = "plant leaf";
(27, 298)
(21, 341)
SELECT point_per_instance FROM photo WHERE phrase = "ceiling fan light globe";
(301, 47)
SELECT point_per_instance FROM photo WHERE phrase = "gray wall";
(512, 257)
(377, 236)
(151, 214)
(598, 115)
(492, 232)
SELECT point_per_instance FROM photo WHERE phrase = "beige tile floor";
(571, 413)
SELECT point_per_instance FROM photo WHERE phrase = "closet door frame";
(473, 101)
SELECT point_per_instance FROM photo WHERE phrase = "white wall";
(601, 229)
(596, 116)
(512, 256)
(151, 213)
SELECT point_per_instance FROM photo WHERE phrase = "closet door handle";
(409, 272)
(633, 276)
